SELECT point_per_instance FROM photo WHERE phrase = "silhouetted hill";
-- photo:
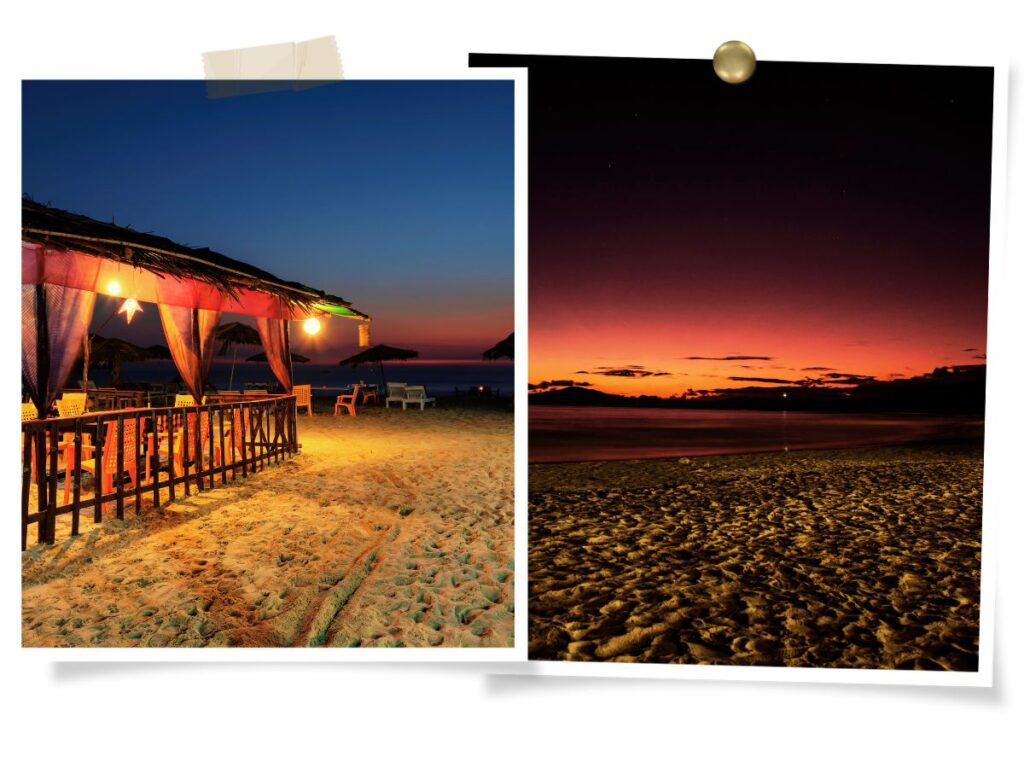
(579, 396)
(955, 390)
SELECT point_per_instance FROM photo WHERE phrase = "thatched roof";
(55, 228)
(504, 348)
(378, 354)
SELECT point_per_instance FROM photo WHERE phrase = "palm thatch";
(262, 358)
(233, 335)
(113, 353)
(504, 348)
(55, 228)
(379, 354)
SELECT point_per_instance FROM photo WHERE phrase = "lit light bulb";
(311, 326)
(130, 307)
(114, 288)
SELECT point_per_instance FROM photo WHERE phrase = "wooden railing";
(142, 454)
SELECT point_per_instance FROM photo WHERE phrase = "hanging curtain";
(54, 321)
(274, 335)
(190, 335)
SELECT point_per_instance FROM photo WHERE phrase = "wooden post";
(51, 495)
(170, 456)
(74, 474)
(138, 464)
(223, 454)
(97, 484)
(186, 449)
(26, 482)
(119, 477)
(153, 457)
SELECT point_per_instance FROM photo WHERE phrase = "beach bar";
(134, 453)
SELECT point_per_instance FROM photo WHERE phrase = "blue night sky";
(397, 196)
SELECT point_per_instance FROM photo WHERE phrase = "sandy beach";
(390, 529)
(865, 558)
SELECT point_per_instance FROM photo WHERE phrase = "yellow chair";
(303, 398)
(29, 413)
(106, 474)
(74, 402)
(348, 402)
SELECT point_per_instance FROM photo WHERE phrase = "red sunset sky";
(827, 217)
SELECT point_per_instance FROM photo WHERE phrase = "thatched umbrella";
(112, 353)
(504, 348)
(379, 354)
(233, 335)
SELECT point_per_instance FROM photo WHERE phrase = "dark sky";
(397, 196)
(825, 216)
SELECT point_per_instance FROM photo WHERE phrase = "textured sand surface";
(390, 529)
(863, 558)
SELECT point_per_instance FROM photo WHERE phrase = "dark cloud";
(818, 368)
(729, 357)
(762, 380)
(847, 378)
(558, 383)
(971, 349)
(981, 357)
(625, 371)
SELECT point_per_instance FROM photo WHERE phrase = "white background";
(342, 713)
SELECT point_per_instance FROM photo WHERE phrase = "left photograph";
(267, 364)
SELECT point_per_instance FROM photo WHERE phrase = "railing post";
(28, 441)
(119, 467)
(74, 474)
(97, 484)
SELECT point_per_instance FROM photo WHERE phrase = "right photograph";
(757, 362)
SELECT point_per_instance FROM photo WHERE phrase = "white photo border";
(996, 483)
(516, 653)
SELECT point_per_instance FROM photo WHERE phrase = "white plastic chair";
(417, 396)
(396, 393)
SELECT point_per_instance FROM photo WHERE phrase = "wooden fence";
(143, 454)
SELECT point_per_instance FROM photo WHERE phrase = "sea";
(559, 433)
(439, 378)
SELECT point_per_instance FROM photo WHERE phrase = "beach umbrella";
(112, 353)
(379, 354)
(504, 348)
(262, 358)
(232, 336)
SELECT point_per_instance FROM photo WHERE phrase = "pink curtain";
(94, 273)
(274, 335)
(191, 337)
(54, 321)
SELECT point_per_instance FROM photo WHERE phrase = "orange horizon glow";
(577, 352)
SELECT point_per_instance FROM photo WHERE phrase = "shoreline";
(853, 558)
(953, 442)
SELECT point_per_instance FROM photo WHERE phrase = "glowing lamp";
(114, 288)
(311, 326)
(129, 308)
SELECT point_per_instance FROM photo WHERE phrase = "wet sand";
(391, 529)
(866, 558)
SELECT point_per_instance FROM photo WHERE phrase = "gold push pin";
(734, 62)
